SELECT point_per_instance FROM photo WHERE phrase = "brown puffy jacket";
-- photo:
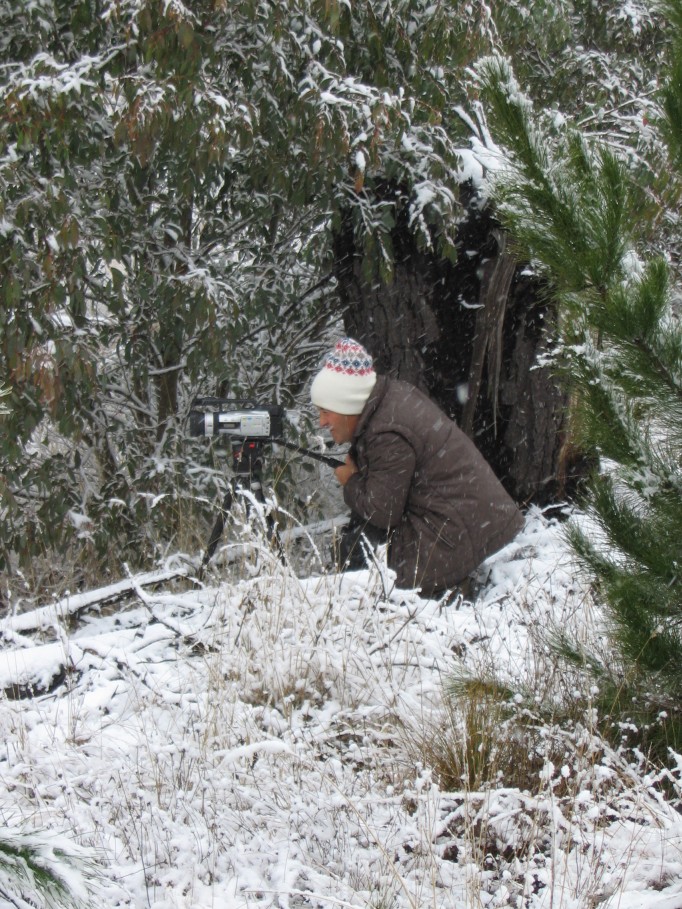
(422, 478)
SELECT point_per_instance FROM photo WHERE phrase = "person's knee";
(355, 544)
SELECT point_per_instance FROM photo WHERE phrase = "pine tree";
(580, 208)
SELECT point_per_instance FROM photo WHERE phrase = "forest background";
(196, 199)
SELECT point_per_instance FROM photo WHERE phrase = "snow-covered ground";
(269, 742)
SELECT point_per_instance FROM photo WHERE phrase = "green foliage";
(574, 206)
(592, 61)
(170, 179)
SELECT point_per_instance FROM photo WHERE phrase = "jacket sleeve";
(379, 491)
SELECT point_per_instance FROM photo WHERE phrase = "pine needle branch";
(575, 210)
(47, 871)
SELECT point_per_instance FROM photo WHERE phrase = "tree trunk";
(473, 336)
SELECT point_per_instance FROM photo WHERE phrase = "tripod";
(247, 467)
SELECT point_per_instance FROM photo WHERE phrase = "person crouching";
(411, 477)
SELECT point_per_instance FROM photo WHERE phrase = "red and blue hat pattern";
(349, 358)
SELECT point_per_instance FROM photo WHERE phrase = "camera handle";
(307, 453)
(247, 466)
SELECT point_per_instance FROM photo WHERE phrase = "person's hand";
(346, 471)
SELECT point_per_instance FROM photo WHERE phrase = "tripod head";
(247, 459)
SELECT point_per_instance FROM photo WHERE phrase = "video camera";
(238, 418)
(243, 421)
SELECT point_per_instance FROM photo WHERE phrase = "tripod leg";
(217, 531)
(256, 488)
(246, 464)
(249, 468)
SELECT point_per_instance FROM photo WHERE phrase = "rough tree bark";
(472, 335)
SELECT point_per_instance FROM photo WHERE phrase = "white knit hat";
(346, 380)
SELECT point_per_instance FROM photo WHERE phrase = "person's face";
(340, 425)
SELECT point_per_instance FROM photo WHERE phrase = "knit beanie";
(346, 379)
